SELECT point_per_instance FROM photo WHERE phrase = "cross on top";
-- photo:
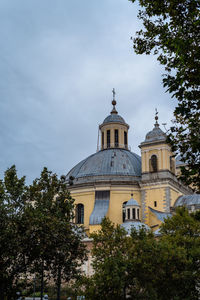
(156, 112)
(114, 102)
(113, 91)
(156, 116)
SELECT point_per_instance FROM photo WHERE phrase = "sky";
(59, 61)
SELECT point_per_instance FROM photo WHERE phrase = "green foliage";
(182, 233)
(37, 235)
(168, 267)
(171, 31)
(109, 263)
(141, 266)
(53, 239)
(12, 262)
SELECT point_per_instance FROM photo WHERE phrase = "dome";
(114, 118)
(188, 200)
(160, 215)
(155, 135)
(179, 162)
(132, 202)
(128, 226)
(157, 232)
(107, 164)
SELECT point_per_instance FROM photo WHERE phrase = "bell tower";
(114, 130)
(158, 184)
(157, 156)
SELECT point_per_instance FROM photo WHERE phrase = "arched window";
(123, 211)
(102, 140)
(108, 138)
(138, 213)
(80, 214)
(116, 138)
(172, 164)
(154, 163)
(133, 214)
(125, 140)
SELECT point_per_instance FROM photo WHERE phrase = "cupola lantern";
(114, 130)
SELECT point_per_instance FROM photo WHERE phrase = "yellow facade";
(163, 151)
(105, 181)
(118, 196)
(112, 127)
(155, 222)
(85, 197)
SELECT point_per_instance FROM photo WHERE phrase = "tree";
(141, 266)
(171, 31)
(12, 255)
(109, 251)
(55, 243)
(37, 235)
(168, 267)
(182, 232)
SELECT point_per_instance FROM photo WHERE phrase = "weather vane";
(164, 124)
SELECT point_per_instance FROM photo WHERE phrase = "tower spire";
(114, 111)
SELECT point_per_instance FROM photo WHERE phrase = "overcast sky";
(59, 61)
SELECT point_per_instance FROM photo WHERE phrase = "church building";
(129, 189)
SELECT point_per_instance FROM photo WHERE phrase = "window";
(80, 214)
(172, 164)
(138, 213)
(154, 163)
(123, 211)
(133, 213)
(100, 209)
(102, 195)
(102, 140)
(155, 203)
(128, 213)
(116, 138)
(108, 138)
(125, 139)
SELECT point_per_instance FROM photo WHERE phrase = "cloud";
(59, 62)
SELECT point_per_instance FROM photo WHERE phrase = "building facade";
(127, 188)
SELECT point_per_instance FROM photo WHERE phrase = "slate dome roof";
(188, 200)
(179, 162)
(157, 232)
(132, 202)
(109, 162)
(128, 226)
(155, 135)
(114, 118)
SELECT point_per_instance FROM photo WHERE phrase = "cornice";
(114, 123)
(174, 183)
(166, 147)
(102, 184)
(143, 144)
